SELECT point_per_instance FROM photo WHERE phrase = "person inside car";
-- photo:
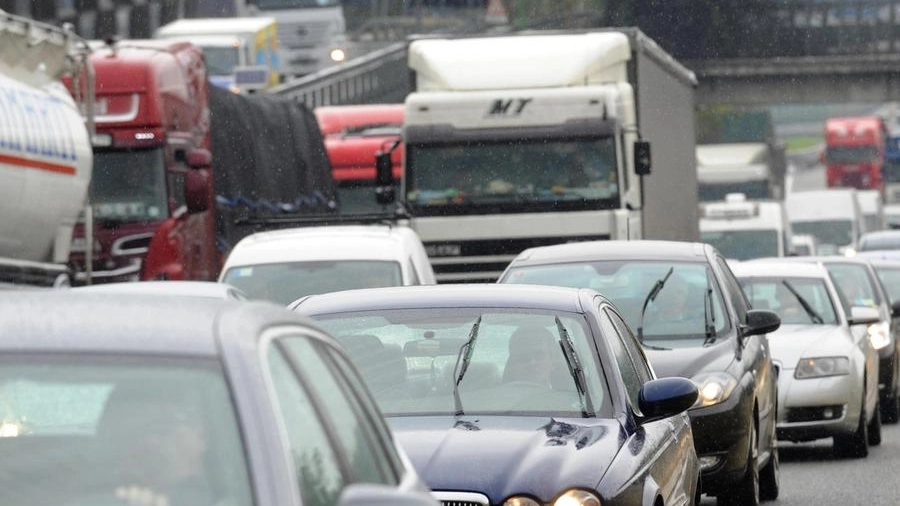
(532, 349)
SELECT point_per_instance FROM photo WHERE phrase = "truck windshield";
(534, 175)
(220, 61)
(833, 232)
(129, 185)
(709, 192)
(851, 154)
(294, 4)
(744, 244)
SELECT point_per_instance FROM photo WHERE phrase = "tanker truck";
(45, 150)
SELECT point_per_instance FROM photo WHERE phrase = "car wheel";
(890, 408)
(856, 445)
(769, 480)
(746, 491)
(875, 428)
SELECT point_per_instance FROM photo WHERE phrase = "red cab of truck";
(854, 152)
(151, 192)
(353, 135)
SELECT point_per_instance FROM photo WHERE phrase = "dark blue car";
(518, 395)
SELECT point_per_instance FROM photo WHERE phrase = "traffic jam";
(510, 287)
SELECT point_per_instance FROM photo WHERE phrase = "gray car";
(126, 399)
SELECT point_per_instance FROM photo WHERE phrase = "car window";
(735, 293)
(854, 281)
(890, 278)
(83, 427)
(410, 360)
(632, 345)
(630, 375)
(349, 419)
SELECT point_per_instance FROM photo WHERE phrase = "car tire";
(856, 445)
(746, 491)
(890, 408)
(875, 427)
(769, 478)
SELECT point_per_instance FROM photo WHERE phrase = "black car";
(519, 396)
(126, 399)
(693, 319)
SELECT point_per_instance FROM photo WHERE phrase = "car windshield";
(833, 232)
(85, 429)
(676, 318)
(853, 280)
(287, 282)
(533, 175)
(890, 278)
(412, 358)
(744, 244)
(880, 241)
(129, 185)
(787, 296)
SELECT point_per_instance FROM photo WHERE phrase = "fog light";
(828, 413)
(710, 462)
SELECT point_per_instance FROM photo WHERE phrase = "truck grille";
(484, 260)
(461, 498)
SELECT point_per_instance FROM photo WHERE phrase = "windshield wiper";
(650, 297)
(709, 317)
(462, 364)
(813, 315)
(587, 409)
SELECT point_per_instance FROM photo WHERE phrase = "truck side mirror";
(199, 158)
(642, 158)
(197, 190)
(384, 178)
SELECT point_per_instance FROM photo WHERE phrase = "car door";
(662, 436)
(335, 436)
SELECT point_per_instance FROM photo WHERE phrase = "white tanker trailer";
(45, 150)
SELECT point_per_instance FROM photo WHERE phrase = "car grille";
(461, 498)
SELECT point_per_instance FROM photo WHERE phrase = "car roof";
(76, 321)
(471, 295)
(210, 289)
(333, 242)
(775, 268)
(632, 250)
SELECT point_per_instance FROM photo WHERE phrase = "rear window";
(89, 431)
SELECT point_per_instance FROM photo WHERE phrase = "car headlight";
(714, 388)
(821, 367)
(574, 497)
(879, 335)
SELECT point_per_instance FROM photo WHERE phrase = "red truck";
(174, 156)
(854, 152)
(353, 135)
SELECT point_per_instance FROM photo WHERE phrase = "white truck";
(45, 150)
(741, 167)
(832, 216)
(241, 53)
(743, 229)
(540, 138)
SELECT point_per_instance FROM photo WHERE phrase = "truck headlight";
(573, 497)
(879, 335)
(714, 388)
(338, 55)
(821, 367)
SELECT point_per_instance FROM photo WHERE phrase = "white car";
(285, 265)
(828, 368)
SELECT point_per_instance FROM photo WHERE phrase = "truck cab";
(832, 216)
(854, 152)
(152, 125)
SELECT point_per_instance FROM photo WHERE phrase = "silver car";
(828, 367)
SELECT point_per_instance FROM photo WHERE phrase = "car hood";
(687, 362)
(499, 456)
(790, 343)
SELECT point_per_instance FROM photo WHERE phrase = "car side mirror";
(197, 190)
(366, 494)
(642, 162)
(760, 321)
(665, 397)
(384, 178)
(863, 315)
(895, 309)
